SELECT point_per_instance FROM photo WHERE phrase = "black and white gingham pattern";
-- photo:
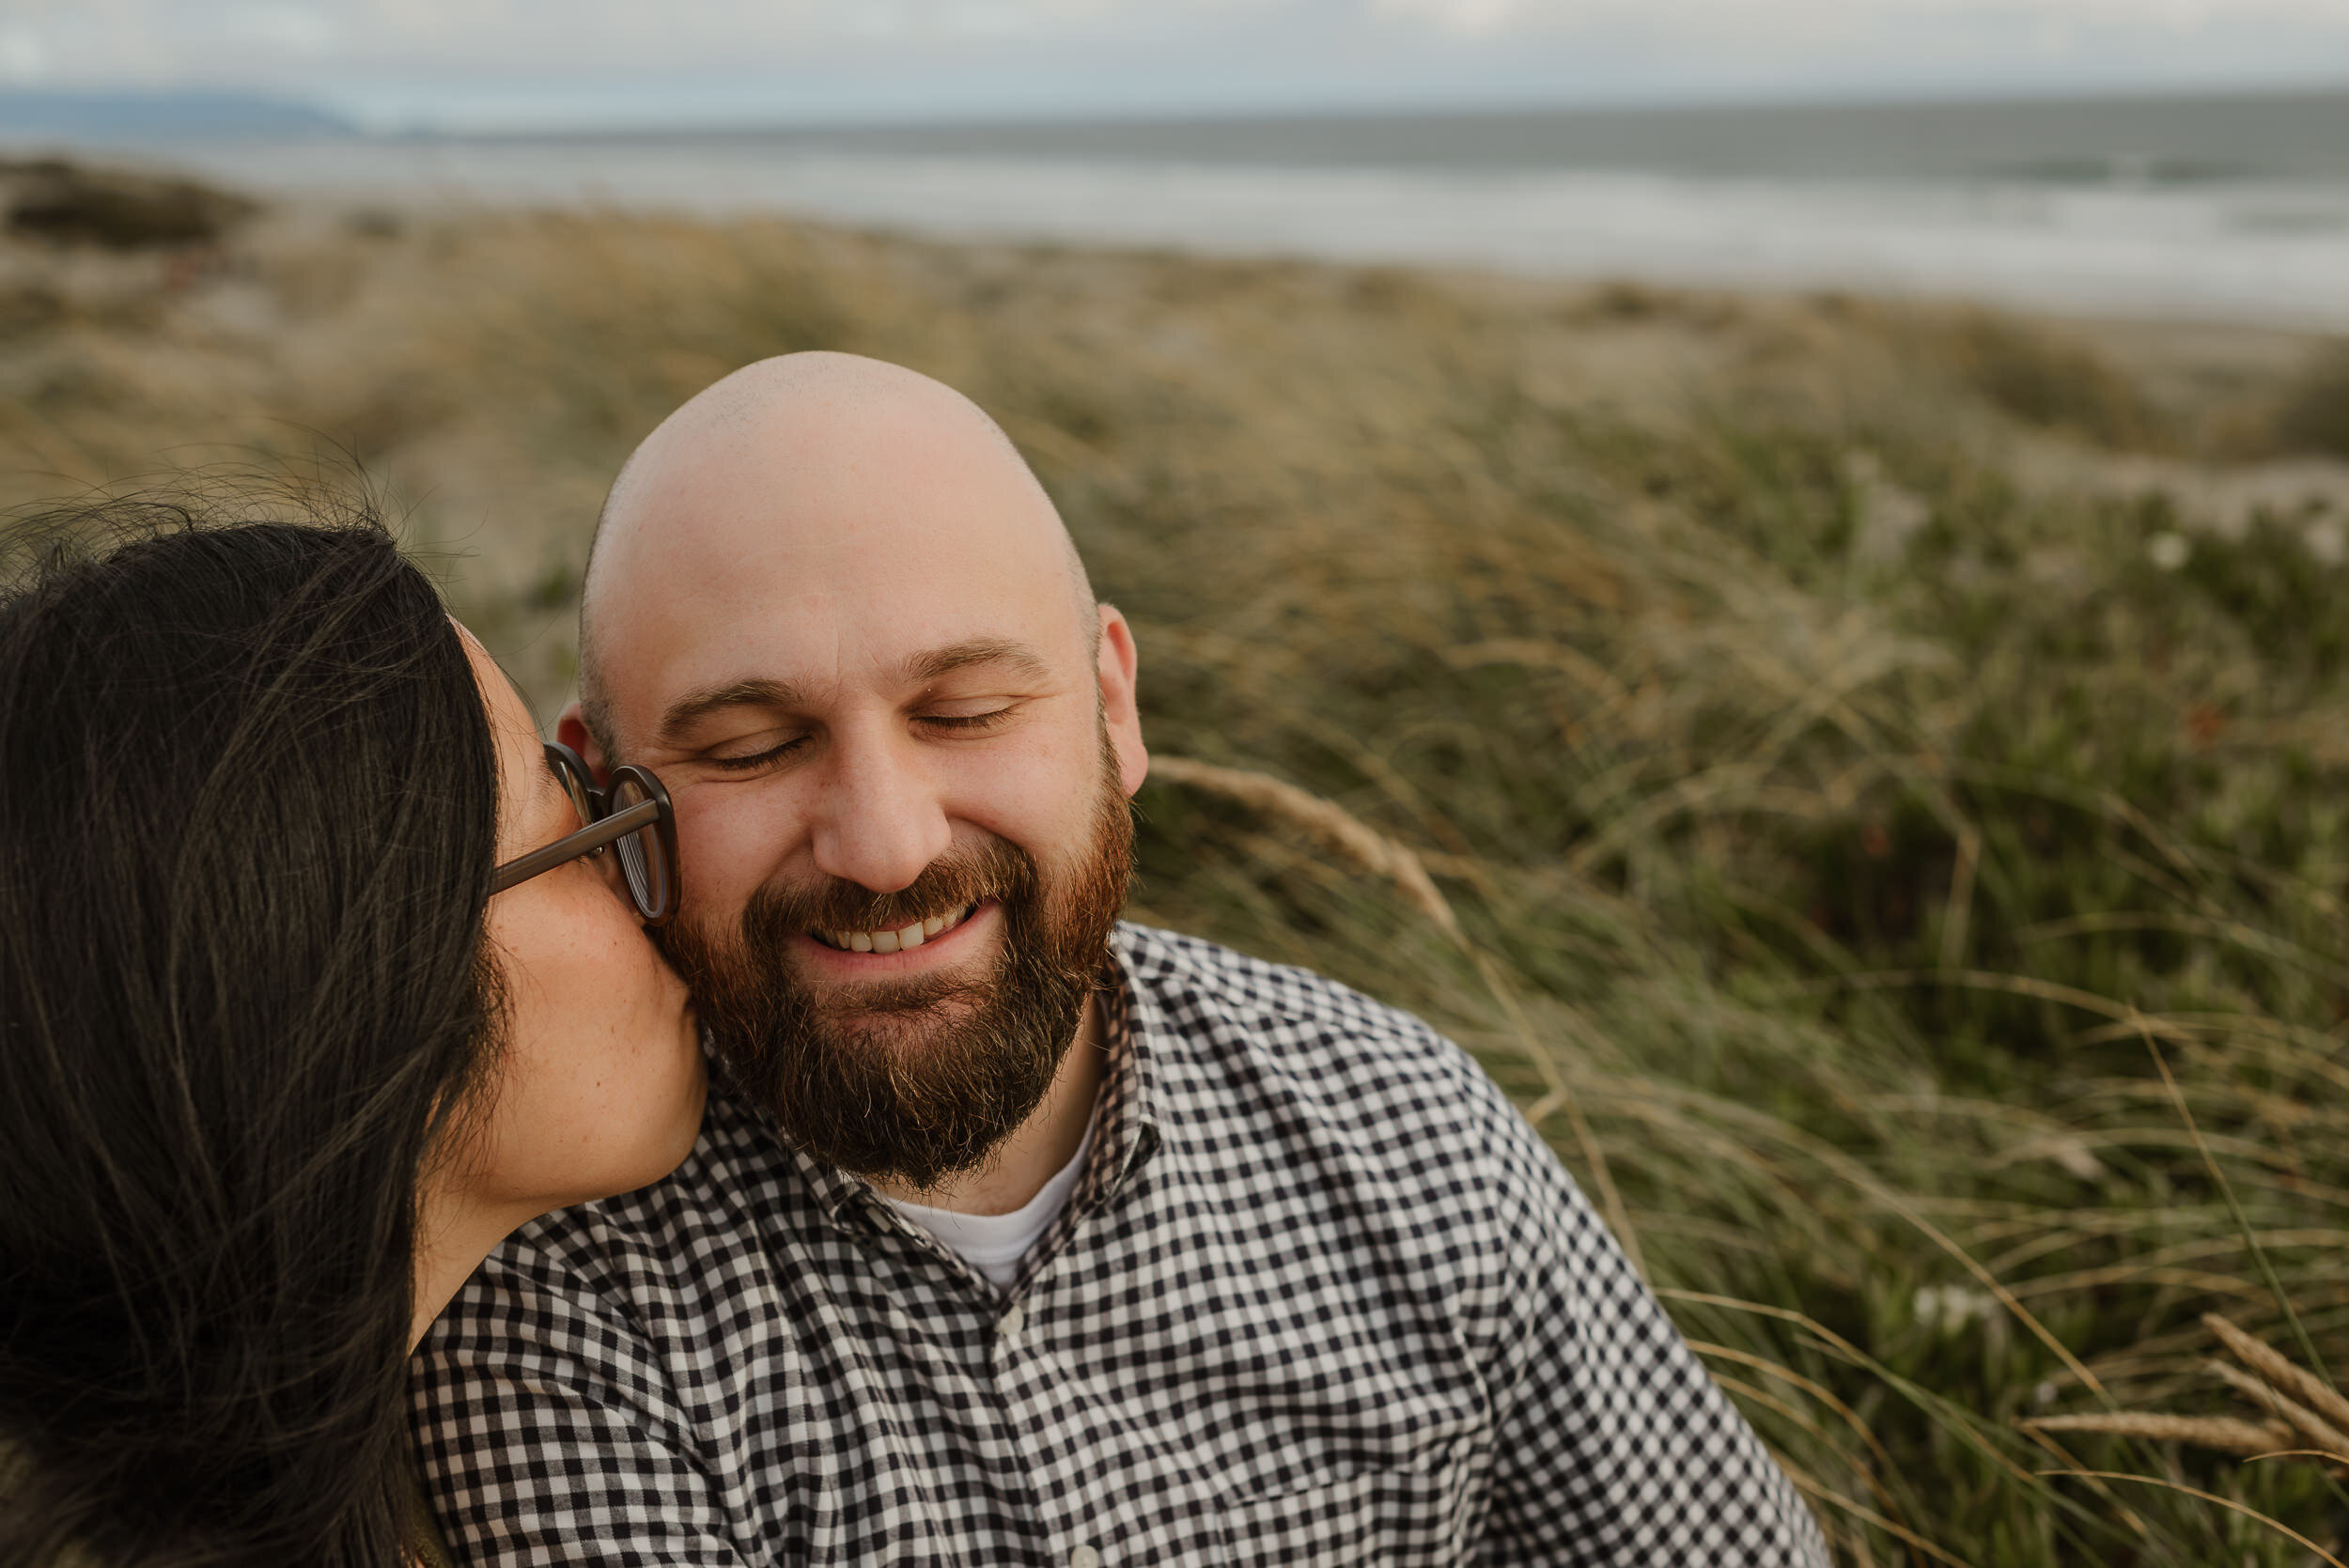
(1320, 1297)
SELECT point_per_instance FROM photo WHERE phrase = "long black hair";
(248, 798)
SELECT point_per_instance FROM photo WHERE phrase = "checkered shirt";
(1320, 1297)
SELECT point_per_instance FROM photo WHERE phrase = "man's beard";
(931, 1073)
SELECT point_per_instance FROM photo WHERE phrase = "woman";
(277, 1064)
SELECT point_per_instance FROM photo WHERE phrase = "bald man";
(1017, 1235)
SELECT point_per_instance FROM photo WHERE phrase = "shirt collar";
(1131, 1031)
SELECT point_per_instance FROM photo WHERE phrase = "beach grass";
(1869, 778)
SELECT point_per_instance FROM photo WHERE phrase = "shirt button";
(1084, 1556)
(1008, 1326)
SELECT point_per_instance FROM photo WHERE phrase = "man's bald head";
(837, 616)
(797, 457)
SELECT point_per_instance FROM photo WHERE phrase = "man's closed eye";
(750, 762)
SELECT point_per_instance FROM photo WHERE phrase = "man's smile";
(911, 937)
(919, 945)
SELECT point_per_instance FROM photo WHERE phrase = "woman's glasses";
(631, 816)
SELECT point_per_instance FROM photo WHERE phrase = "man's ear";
(571, 729)
(1118, 660)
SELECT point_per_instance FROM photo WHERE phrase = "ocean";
(2218, 207)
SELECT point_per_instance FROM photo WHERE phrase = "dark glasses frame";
(653, 887)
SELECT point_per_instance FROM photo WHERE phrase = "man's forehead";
(873, 526)
(806, 645)
(877, 594)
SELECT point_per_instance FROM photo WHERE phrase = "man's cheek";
(727, 854)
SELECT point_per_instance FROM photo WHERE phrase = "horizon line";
(1388, 107)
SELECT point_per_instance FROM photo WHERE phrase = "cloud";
(1467, 18)
(1908, 40)
(307, 31)
(24, 54)
(1486, 18)
(979, 55)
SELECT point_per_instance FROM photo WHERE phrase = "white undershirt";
(994, 1243)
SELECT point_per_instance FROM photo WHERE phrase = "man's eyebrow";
(1014, 658)
(694, 706)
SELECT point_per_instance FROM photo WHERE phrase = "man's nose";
(880, 822)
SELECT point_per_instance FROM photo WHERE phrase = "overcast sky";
(518, 62)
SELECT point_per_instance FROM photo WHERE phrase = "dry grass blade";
(2330, 1459)
(2310, 1426)
(1890, 1526)
(2074, 1464)
(2222, 1434)
(1825, 1396)
(2228, 1503)
(2322, 1397)
(1585, 669)
(1323, 823)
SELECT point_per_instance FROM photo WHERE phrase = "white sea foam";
(2258, 252)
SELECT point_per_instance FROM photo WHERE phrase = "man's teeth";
(898, 941)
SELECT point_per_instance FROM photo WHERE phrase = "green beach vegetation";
(1872, 779)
